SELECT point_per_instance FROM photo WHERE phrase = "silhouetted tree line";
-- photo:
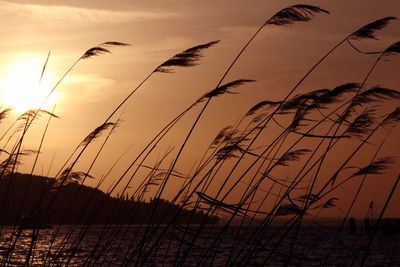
(126, 211)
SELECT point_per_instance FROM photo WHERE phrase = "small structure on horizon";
(353, 228)
(367, 226)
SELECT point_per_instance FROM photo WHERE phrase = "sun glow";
(20, 87)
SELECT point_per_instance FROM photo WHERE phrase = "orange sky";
(156, 30)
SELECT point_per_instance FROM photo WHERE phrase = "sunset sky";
(157, 30)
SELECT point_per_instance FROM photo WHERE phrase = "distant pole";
(367, 226)
(353, 228)
(378, 221)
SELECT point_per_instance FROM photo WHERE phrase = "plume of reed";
(375, 167)
(311, 99)
(28, 117)
(187, 58)
(157, 175)
(295, 13)
(151, 178)
(392, 118)
(95, 51)
(262, 104)
(34, 113)
(234, 137)
(334, 95)
(330, 203)
(299, 102)
(393, 49)
(375, 94)
(99, 50)
(302, 105)
(68, 176)
(153, 181)
(259, 118)
(299, 117)
(361, 124)
(78, 176)
(4, 113)
(232, 147)
(228, 151)
(291, 156)
(96, 133)
(368, 31)
(65, 173)
(224, 89)
(14, 159)
(220, 136)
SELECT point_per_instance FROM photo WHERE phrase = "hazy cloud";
(76, 14)
(92, 88)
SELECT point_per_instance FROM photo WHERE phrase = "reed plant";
(238, 179)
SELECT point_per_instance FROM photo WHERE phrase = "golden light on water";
(21, 88)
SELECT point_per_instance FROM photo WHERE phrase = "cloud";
(91, 88)
(90, 81)
(77, 14)
(238, 31)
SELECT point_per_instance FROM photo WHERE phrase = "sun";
(20, 87)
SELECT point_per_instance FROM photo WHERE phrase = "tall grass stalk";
(238, 162)
(283, 17)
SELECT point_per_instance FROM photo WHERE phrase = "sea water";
(195, 245)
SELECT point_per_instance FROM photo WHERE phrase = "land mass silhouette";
(76, 204)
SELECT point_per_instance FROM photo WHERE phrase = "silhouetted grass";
(308, 130)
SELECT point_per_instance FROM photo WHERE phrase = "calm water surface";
(189, 246)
